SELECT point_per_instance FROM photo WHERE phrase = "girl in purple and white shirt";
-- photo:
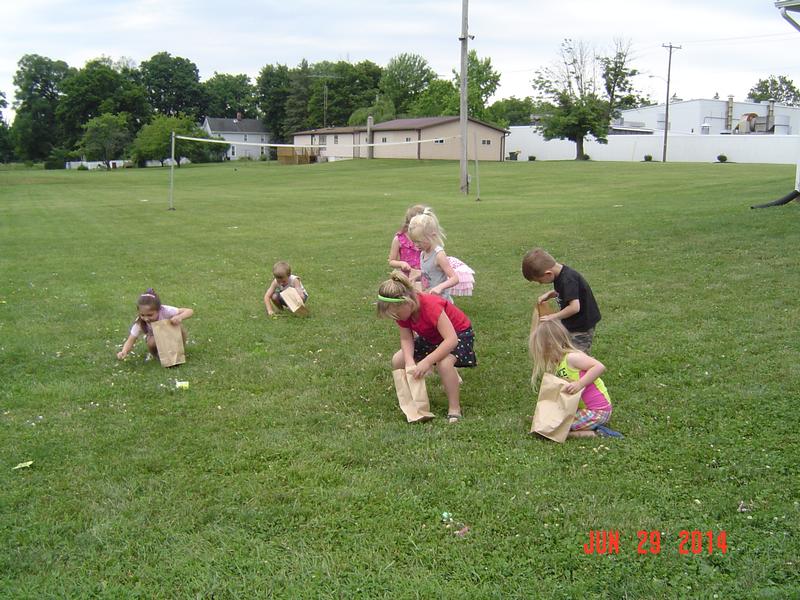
(150, 309)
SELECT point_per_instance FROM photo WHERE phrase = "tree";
(272, 92)
(229, 95)
(382, 110)
(173, 85)
(296, 113)
(105, 137)
(340, 88)
(96, 89)
(38, 80)
(6, 145)
(482, 82)
(778, 88)
(572, 103)
(617, 80)
(439, 98)
(404, 79)
(154, 140)
(511, 111)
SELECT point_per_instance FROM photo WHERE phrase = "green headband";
(385, 299)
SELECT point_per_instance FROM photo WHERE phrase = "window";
(486, 142)
(408, 139)
(262, 150)
(323, 139)
(439, 141)
(336, 139)
(262, 139)
(245, 137)
(233, 150)
(383, 140)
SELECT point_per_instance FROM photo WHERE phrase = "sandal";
(604, 431)
(454, 418)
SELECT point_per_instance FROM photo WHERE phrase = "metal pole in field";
(477, 175)
(463, 115)
(666, 113)
(172, 173)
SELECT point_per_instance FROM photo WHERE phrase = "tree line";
(109, 108)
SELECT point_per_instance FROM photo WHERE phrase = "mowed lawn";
(286, 469)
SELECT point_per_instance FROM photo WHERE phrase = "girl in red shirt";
(444, 335)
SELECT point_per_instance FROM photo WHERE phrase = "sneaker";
(604, 431)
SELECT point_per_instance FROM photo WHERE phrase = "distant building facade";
(239, 130)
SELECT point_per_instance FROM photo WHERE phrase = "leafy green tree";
(296, 113)
(572, 104)
(482, 82)
(511, 111)
(6, 145)
(272, 93)
(404, 79)
(440, 98)
(339, 88)
(229, 95)
(105, 137)
(778, 88)
(618, 80)
(173, 85)
(96, 89)
(382, 110)
(38, 80)
(154, 140)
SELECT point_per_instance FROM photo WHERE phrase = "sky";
(726, 45)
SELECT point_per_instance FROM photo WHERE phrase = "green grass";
(286, 469)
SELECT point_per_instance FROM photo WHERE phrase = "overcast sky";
(727, 45)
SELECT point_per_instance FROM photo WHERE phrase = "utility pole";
(666, 113)
(463, 114)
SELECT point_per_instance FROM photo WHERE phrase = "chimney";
(370, 137)
(729, 114)
(771, 115)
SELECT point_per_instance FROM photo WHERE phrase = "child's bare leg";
(151, 345)
(582, 433)
(272, 302)
(451, 384)
(398, 362)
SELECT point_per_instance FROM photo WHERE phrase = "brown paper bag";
(169, 342)
(412, 396)
(540, 310)
(555, 409)
(294, 301)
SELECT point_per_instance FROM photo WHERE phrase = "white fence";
(776, 149)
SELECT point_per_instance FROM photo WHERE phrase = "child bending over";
(150, 309)
(283, 278)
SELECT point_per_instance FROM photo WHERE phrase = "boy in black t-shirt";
(579, 312)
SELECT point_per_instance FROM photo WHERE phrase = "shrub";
(82, 167)
(585, 157)
(648, 158)
(722, 158)
(531, 158)
(513, 155)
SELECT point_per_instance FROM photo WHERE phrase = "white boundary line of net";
(264, 144)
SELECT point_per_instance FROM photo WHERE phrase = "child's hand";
(573, 387)
(121, 354)
(176, 320)
(548, 318)
(421, 369)
(404, 266)
(547, 295)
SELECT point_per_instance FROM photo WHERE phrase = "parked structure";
(239, 130)
(399, 139)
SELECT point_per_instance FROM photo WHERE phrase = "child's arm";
(573, 308)
(394, 256)
(126, 347)
(183, 314)
(407, 346)
(268, 297)
(298, 285)
(452, 278)
(449, 341)
(583, 362)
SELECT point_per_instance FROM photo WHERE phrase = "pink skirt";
(466, 277)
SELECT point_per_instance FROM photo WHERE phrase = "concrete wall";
(776, 149)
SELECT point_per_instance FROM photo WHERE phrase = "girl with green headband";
(444, 336)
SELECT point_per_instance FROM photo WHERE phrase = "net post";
(172, 174)
(477, 175)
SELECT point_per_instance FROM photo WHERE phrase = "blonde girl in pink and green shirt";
(553, 352)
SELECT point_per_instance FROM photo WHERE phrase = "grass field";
(286, 469)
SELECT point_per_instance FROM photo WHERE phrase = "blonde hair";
(397, 287)
(281, 269)
(536, 262)
(412, 212)
(548, 344)
(425, 226)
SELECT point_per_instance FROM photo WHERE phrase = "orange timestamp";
(689, 542)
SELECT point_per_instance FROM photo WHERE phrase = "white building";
(239, 130)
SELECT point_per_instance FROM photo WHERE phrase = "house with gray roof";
(249, 131)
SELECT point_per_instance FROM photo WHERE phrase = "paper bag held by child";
(412, 396)
(294, 302)
(555, 409)
(169, 342)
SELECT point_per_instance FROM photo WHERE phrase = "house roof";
(395, 125)
(217, 125)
